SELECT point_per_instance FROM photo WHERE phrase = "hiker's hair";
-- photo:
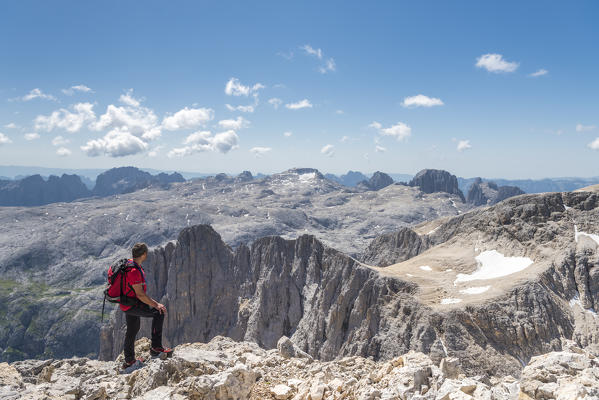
(139, 249)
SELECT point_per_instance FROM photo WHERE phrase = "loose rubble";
(225, 369)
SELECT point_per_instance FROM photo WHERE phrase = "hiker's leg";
(157, 321)
(132, 329)
(143, 310)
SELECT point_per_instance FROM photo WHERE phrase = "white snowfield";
(475, 290)
(492, 264)
(579, 234)
(451, 301)
(426, 268)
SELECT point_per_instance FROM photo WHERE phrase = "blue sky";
(391, 86)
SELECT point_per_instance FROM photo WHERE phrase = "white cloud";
(37, 94)
(399, 131)
(339, 112)
(286, 56)
(329, 66)
(380, 149)
(305, 103)
(129, 100)
(138, 121)
(584, 128)
(593, 145)
(540, 72)
(77, 88)
(4, 139)
(275, 102)
(421, 100)
(11, 125)
(312, 51)
(204, 141)
(464, 145)
(287, 134)
(260, 151)
(63, 152)
(31, 136)
(154, 151)
(59, 141)
(234, 124)
(235, 88)
(72, 122)
(328, 150)
(119, 142)
(495, 63)
(248, 109)
(188, 118)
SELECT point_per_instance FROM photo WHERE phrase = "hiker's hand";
(161, 308)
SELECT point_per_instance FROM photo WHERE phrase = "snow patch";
(426, 268)
(492, 264)
(567, 208)
(575, 301)
(475, 290)
(434, 230)
(307, 177)
(578, 234)
(410, 275)
(450, 301)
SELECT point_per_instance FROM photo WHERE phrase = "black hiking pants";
(132, 316)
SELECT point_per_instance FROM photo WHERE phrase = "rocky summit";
(223, 369)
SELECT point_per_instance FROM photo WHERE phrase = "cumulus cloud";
(234, 124)
(328, 150)
(287, 134)
(31, 136)
(495, 63)
(60, 141)
(540, 72)
(204, 141)
(4, 139)
(593, 145)
(305, 103)
(312, 51)
(71, 121)
(63, 152)
(329, 66)
(464, 145)
(421, 100)
(275, 102)
(260, 151)
(11, 125)
(77, 88)
(154, 151)
(380, 149)
(188, 118)
(399, 131)
(235, 88)
(37, 94)
(248, 109)
(584, 128)
(136, 120)
(118, 142)
(129, 100)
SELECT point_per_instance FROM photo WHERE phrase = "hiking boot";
(130, 366)
(162, 352)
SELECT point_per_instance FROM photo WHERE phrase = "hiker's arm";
(143, 297)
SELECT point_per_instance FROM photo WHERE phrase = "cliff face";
(488, 193)
(35, 191)
(435, 180)
(331, 306)
(129, 179)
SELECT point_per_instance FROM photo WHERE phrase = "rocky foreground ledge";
(225, 369)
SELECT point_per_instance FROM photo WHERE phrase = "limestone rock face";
(435, 180)
(488, 193)
(223, 369)
(35, 191)
(378, 181)
(394, 247)
(129, 179)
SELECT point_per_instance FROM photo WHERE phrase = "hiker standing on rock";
(135, 284)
